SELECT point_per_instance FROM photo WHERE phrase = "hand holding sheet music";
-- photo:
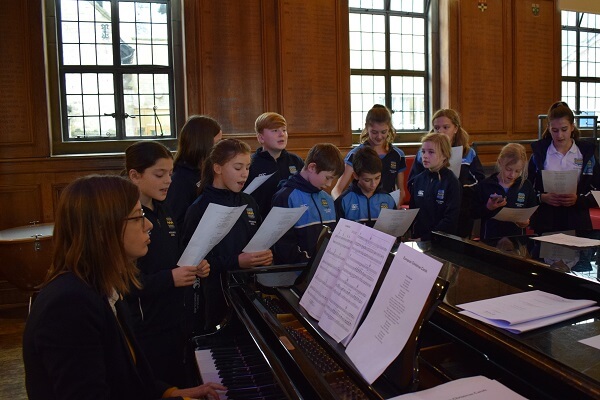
(256, 182)
(395, 222)
(456, 160)
(515, 214)
(275, 225)
(218, 220)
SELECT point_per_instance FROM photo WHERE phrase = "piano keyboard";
(241, 368)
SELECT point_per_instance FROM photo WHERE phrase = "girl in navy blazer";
(78, 341)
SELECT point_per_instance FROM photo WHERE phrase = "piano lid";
(478, 271)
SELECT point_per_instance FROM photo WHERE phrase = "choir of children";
(446, 202)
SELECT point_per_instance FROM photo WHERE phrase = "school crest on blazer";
(251, 215)
(440, 196)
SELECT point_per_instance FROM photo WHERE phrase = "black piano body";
(545, 363)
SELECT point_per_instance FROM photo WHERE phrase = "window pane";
(408, 103)
(73, 83)
(87, 46)
(88, 54)
(91, 126)
(407, 5)
(74, 106)
(87, 32)
(394, 43)
(70, 32)
(568, 18)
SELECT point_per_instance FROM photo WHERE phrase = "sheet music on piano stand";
(394, 313)
(346, 277)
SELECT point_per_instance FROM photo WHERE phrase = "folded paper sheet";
(525, 311)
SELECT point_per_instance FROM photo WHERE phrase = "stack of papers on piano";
(525, 311)
(473, 388)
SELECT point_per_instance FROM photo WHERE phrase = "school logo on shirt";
(393, 165)
(293, 169)
(440, 196)
(170, 222)
(325, 205)
(383, 205)
(251, 216)
(354, 207)
(521, 197)
(171, 225)
(578, 162)
(420, 193)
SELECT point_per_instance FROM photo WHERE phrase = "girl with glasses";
(78, 341)
(158, 308)
(560, 149)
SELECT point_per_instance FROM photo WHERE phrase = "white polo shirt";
(556, 161)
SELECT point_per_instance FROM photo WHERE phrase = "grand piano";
(271, 348)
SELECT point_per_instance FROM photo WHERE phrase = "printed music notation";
(346, 277)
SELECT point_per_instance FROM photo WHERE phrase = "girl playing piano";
(78, 342)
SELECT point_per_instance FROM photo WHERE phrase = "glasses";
(142, 217)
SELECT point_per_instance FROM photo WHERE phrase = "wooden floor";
(12, 378)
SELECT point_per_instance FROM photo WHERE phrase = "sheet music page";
(356, 282)
(596, 194)
(515, 214)
(278, 221)
(560, 182)
(471, 388)
(396, 196)
(329, 268)
(553, 251)
(522, 307)
(530, 325)
(456, 160)
(568, 240)
(395, 222)
(593, 341)
(216, 222)
(256, 182)
(395, 312)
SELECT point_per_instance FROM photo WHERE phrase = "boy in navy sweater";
(271, 158)
(324, 163)
(363, 200)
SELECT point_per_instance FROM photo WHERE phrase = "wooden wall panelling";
(537, 61)
(225, 49)
(315, 71)
(482, 67)
(30, 188)
(21, 204)
(500, 65)
(287, 56)
(24, 120)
